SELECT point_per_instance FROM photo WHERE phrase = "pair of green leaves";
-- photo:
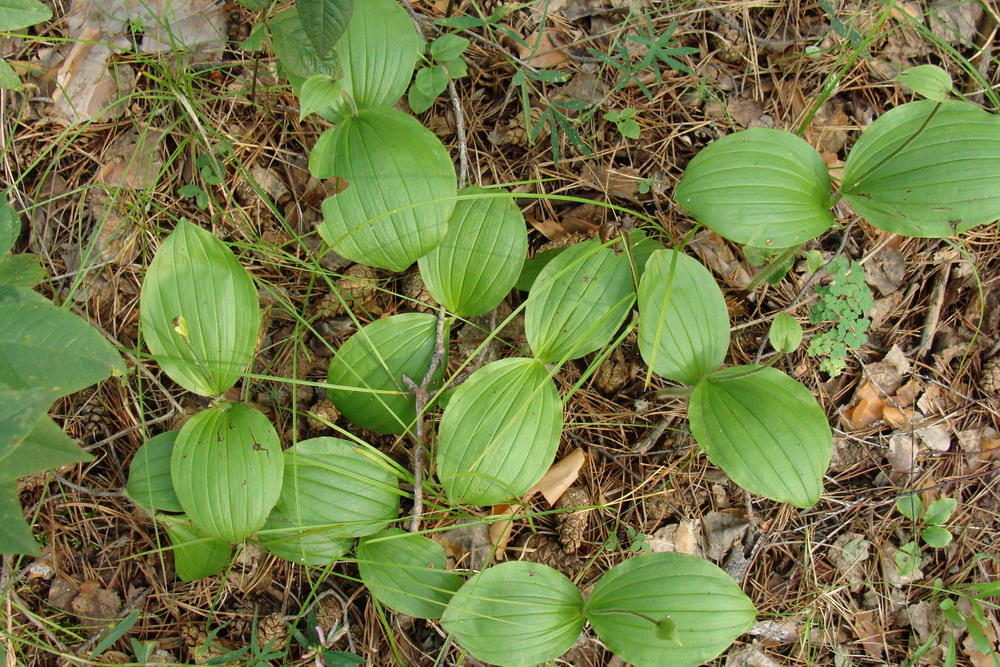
(445, 63)
(655, 609)
(764, 429)
(925, 169)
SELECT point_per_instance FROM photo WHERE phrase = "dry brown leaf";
(684, 537)
(955, 22)
(898, 417)
(540, 51)
(750, 656)
(95, 607)
(85, 87)
(132, 161)
(559, 477)
(850, 552)
(868, 408)
(723, 531)
(869, 633)
(775, 633)
(467, 544)
(115, 238)
(719, 256)
(902, 454)
(620, 182)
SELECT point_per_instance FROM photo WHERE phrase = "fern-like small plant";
(843, 304)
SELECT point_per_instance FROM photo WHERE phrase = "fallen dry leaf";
(132, 161)
(468, 544)
(869, 633)
(684, 537)
(540, 51)
(620, 182)
(723, 531)
(750, 656)
(850, 552)
(902, 454)
(559, 477)
(95, 607)
(776, 633)
(719, 256)
(868, 408)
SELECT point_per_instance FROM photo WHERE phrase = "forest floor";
(914, 408)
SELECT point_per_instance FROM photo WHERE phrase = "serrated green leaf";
(196, 553)
(33, 332)
(480, 258)
(317, 93)
(516, 614)
(765, 430)
(199, 312)
(401, 186)
(940, 511)
(23, 270)
(448, 47)
(706, 608)
(683, 318)
(928, 81)
(8, 77)
(499, 433)
(578, 302)
(431, 81)
(368, 370)
(936, 536)
(10, 226)
(325, 21)
(332, 492)
(149, 480)
(15, 534)
(378, 52)
(226, 467)
(910, 506)
(925, 171)
(406, 572)
(760, 187)
(17, 14)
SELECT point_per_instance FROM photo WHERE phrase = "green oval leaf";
(296, 54)
(368, 370)
(939, 511)
(17, 14)
(920, 170)
(15, 533)
(928, 81)
(34, 332)
(683, 318)
(325, 21)
(785, 333)
(760, 187)
(936, 536)
(149, 480)
(378, 52)
(332, 492)
(199, 312)
(226, 466)
(196, 553)
(481, 256)
(317, 93)
(447, 47)
(577, 302)
(499, 433)
(406, 572)
(400, 190)
(705, 608)
(516, 614)
(910, 506)
(765, 430)
(431, 81)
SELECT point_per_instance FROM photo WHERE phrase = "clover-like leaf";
(199, 312)
(760, 187)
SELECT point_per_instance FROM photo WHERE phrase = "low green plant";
(929, 527)
(842, 304)
(444, 63)
(625, 123)
(962, 607)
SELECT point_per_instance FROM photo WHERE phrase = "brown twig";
(422, 395)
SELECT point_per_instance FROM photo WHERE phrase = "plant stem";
(422, 394)
(773, 267)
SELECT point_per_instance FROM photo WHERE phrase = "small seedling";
(626, 124)
(444, 63)
(930, 525)
(210, 172)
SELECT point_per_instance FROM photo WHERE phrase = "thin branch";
(422, 395)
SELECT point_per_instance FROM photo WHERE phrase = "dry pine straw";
(792, 570)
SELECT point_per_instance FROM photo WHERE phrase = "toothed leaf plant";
(223, 478)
